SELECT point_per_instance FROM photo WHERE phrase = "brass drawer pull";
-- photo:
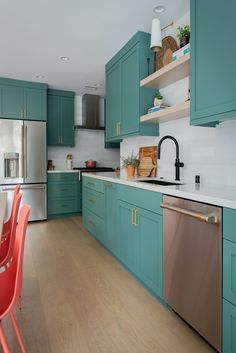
(134, 217)
(91, 200)
(91, 184)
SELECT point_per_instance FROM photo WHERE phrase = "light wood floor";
(78, 299)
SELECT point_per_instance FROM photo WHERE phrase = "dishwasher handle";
(208, 218)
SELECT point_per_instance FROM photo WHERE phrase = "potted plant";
(183, 34)
(130, 163)
(158, 99)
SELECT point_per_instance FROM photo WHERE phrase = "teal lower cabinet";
(149, 225)
(111, 235)
(128, 233)
(128, 222)
(229, 327)
(229, 281)
(64, 194)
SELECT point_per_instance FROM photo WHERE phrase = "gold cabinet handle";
(59, 140)
(91, 200)
(89, 183)
(118, 128)
(91, 222)
(135, 217)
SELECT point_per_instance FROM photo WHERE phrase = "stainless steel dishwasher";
(192, 264)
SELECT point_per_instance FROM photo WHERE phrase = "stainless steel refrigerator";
(23, 161)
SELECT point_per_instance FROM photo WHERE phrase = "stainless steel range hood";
(92, 112)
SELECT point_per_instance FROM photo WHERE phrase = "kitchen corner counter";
(62, 171)
(219, 195)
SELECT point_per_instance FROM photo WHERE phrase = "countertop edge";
(171, 191)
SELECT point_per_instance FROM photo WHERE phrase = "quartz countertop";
(219, 195)
(62, 171)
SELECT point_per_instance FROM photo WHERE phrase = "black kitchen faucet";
(178, 164)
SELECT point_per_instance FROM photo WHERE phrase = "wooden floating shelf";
(178, 111)
(169, 74)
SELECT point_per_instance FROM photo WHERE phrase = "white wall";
(89, 144)
(209, 152)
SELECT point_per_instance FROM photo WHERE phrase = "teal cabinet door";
(213, 88)
(35, 102)
(12, 102)
(150, 249)
(229, 327)
(229, 271)
(111, 235)
(130, 92)
(53, 126)
(128, 233)
(60, 118)
(113, 102)
(67, 122)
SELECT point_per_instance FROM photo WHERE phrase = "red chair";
(7, 225)
(10, 281)
(8, 240)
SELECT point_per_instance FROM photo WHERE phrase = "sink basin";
(160, 182)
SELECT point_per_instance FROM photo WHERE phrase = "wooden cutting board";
(147, 161)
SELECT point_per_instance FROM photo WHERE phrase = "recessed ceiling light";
(159, 9)
(64, 58)
(40, 76)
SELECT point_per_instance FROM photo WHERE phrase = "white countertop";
(63, 171)
(220, 195)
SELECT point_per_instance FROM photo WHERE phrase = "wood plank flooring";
(78, 299)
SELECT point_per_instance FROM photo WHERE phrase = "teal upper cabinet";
(23, 100)
(126, 101)
(60, 118)
(113, 101)
(213, 83)
(35, 104)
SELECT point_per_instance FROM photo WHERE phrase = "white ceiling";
(35, 34)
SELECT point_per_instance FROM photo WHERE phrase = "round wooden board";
(164, 56)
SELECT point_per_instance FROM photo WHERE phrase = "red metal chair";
(10, 281)
(7, 225)
(8, 239)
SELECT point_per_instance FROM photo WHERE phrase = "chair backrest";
(16, 192)
(6, 249)
(11, 278)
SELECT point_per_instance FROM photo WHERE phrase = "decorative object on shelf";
(181, 52)
(130, 163)
(147, 161)
(183, 34)
(164, 56)
(154, 109)
(158, 99)
(69, 162)
(90, 164)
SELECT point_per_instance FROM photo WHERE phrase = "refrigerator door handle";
(33, 187)
(25, 151)
(22, 152)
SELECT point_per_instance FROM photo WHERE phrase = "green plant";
(158, 95)
(129, 160)
(183, 31)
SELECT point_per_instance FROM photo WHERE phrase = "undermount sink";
(160, 182)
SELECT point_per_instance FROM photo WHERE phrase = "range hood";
(92, 112)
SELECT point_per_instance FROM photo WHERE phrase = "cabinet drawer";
(60, 190)
(229, 271)
(229, 327)
(64, 177)
(93, 224)
(146, 199)
(229, 224)
(57, 206)
(92, 183)
(94, 201)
